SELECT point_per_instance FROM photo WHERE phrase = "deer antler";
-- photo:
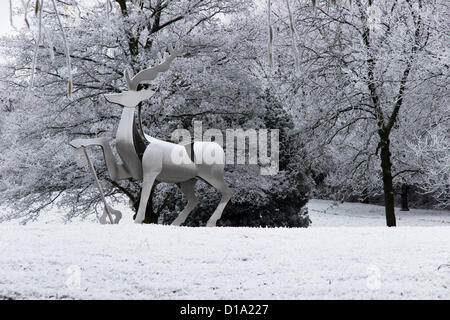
(151, 73)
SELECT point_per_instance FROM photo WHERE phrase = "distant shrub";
(257, 201)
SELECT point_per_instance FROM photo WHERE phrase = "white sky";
(4, 17)
(5, 26)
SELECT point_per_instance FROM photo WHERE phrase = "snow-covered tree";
(209, 82)
(37, 163)
(362, 65)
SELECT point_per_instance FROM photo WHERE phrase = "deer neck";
(129, 144)
(126, 122)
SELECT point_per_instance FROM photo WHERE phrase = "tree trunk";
(387, 182)
(404, 197)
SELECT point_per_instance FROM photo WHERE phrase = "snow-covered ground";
(325, 213)
(347, 253)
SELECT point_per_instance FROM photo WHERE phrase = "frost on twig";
(11, 13)
(270, 43)
(38, 9)
(444, 266)
(36, 48)
(66, 49)
(25, 9)
(293, 36)
(108, 11)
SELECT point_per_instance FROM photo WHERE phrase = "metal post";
(102, 195)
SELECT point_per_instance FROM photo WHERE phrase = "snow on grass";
(336, 214)
(85, 260)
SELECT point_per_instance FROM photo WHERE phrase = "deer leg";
(116, 171)
(147, 185)
(152, 165)
(188, 188)
(218, 182)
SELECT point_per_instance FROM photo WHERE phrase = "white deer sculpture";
(154, 160)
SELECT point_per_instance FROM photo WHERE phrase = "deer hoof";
(138, 221)
(211, 223)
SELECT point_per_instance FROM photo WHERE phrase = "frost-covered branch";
(33, 68)
(66, 49)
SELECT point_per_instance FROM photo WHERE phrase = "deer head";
(132, 97)
(129, 99)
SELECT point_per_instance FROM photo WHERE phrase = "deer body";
(154, 160)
